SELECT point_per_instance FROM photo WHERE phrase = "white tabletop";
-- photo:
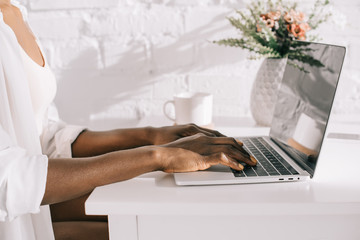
(152, 207)
(331, 191)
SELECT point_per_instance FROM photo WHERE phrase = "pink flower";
(274, 15)
(264, 16)
(304, 27)
(258, 28)
(270, 19)
(294, 17)
(300, 17)
(288, 17)
(298, 30)
(293, 29)
(270, 23)
(297, 16)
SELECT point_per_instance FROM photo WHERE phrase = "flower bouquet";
(275, 30)
(271, 29)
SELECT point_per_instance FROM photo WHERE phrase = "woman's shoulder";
(15, 8)
(21, 7)
(8, 41)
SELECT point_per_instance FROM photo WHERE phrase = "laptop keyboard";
(270, 163)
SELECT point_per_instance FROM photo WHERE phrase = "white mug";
(191, 107)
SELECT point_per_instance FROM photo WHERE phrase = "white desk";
(153, 207)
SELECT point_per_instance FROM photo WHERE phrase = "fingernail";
(253, 159)
(241, 166)
(239, 142)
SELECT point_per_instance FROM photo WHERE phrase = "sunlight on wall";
(117, 62)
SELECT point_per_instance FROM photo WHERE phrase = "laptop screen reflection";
(304, 103)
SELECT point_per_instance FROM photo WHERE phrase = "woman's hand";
(201, 152)
(169, 134)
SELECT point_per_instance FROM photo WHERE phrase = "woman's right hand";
(199, 152)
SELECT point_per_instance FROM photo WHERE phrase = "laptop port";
(281, 179)
(291, 178)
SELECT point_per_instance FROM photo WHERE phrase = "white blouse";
(26, 93)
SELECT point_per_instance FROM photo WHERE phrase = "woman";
(46, 162)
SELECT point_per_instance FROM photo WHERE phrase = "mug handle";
(164, 109)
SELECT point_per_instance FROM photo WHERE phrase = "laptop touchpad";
(219, 168)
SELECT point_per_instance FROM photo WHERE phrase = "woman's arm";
(71, 178)
(91, 143)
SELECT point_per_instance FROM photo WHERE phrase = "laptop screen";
(304, 103)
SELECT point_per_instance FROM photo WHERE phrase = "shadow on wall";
(124, 89)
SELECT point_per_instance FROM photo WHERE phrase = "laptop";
(300, 118)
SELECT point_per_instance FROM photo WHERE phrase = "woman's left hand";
(169, 134)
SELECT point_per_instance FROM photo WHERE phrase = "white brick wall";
(118, 61)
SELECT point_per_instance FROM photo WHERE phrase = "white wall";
(118, 61)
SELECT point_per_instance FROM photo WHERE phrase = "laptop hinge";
(300, 158)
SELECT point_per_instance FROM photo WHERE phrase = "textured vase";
(264, 90)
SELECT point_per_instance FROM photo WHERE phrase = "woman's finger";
(228, 145)
(230, 141)
(222, 158)
(239, 142)
(239, 156)
(214, 132)
(232, 152)
(208, 132)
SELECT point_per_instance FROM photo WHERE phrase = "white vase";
(264, 90)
